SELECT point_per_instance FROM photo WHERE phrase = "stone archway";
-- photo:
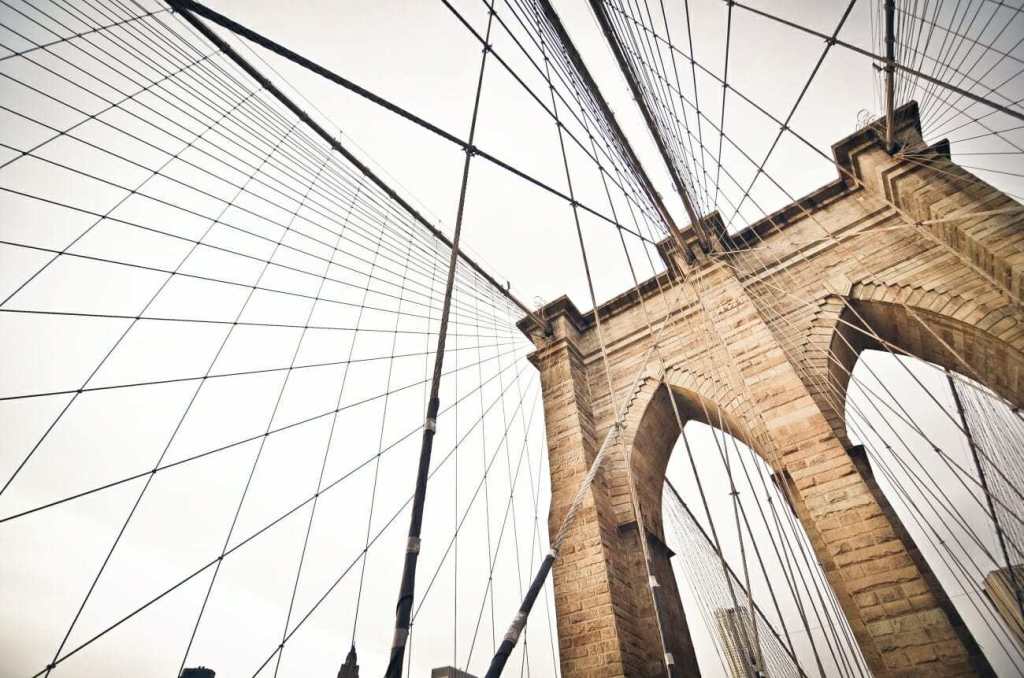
(947, 331)
(652, 431)
(941, 328)
(959, 273)
(650, 439)
(604, 611)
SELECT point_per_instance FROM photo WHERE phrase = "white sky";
(416, 54)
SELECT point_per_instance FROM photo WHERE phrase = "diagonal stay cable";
(437, 467)
(239, 443)
(338, 481)
(186, 7)
(146, 485)
(792, 110)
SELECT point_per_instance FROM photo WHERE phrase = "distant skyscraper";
(737, 636)
(350, 669)
(198, 672)
(1000, 589)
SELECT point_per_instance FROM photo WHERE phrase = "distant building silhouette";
(198, 672)
(1000, 590)
(450, 672)
(350, 669)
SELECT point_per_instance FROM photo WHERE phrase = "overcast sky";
(417, 54)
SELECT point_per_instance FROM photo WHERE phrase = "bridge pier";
(760, 366)
(605, 618)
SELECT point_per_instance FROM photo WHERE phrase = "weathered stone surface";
(762, 337)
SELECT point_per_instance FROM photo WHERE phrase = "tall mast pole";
(890, 72)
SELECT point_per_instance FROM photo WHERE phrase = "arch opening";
(925, 461)
(796, 625)
(953, 340)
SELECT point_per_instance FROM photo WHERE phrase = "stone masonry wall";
(790, 303)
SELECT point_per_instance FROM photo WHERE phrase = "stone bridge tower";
(916, 254)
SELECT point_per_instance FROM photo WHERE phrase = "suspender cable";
(786, 647)
(634, 86)
(405, 599)
(403, 613)
(1018, 592)
(236, 28)
(890, 72)
(188, 10)
(896, 66)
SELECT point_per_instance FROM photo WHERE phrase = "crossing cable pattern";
(526, 606)
(573, 202)
(164, 191)
(719, 167)
(695, 548)
(573, 89)
(657, 131)
(722, 133)
(158, 137)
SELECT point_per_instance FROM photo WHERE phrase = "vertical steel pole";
(890, 72)
(403, 611)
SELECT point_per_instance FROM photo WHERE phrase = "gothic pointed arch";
(983, 341)
(652, 429)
